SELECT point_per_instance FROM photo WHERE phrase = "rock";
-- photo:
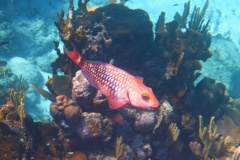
(43, 63)
(90, 126)
(81, 86)
(26, 69)
(145, 121)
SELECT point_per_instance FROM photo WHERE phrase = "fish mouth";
(152, 108)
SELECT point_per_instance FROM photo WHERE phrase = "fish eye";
(145, 96)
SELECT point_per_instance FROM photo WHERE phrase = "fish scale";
(120, 87)
(107, 77)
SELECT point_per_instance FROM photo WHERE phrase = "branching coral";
(159, 120)
(236, 154)
(119, 147)
(178, 54)
(196, 22)
(172, 134)
(160, 23)
(17, 100)
(182, 19)
(215, 146)
(164, 112)
(114, 31)
(65, 26)
(123, 151)
(196, 149)
(22, 84)
(62, 63)
(102, 34)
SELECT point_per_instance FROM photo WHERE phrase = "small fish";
(120, 87)
(3, 43)
(44, 93)
(3, 63)
(175, 4)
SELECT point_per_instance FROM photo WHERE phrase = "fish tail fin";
(74, 55)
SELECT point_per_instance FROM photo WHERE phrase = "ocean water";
(192, 71)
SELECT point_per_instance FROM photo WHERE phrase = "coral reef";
(62, 63)
(17, 99)
(29, 139)
(13, 143)
(212, 147)
(84, 127)
(215, 145)
(64, 111)
(122, 150)
(209, 95)
(170, 63)
(172, 134)
(106, 33)
(145, 120)
(230, 121)
(91, 126)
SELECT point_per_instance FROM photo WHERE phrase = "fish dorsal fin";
(139, 79)
(115, 103)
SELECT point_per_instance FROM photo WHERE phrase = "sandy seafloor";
(29, 27)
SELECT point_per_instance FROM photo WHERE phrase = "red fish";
(120, 87)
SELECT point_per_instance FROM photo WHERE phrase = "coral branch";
(172, 134)
(196, 148)
(17, 100)
(197, 20)
(160, 23)
(119, 147)
(214, 145)
(182, 19)
(159, 120)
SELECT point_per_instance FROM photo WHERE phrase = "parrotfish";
(44, 93)
(120, 87)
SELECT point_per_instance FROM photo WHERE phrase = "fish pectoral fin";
(115, 103)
